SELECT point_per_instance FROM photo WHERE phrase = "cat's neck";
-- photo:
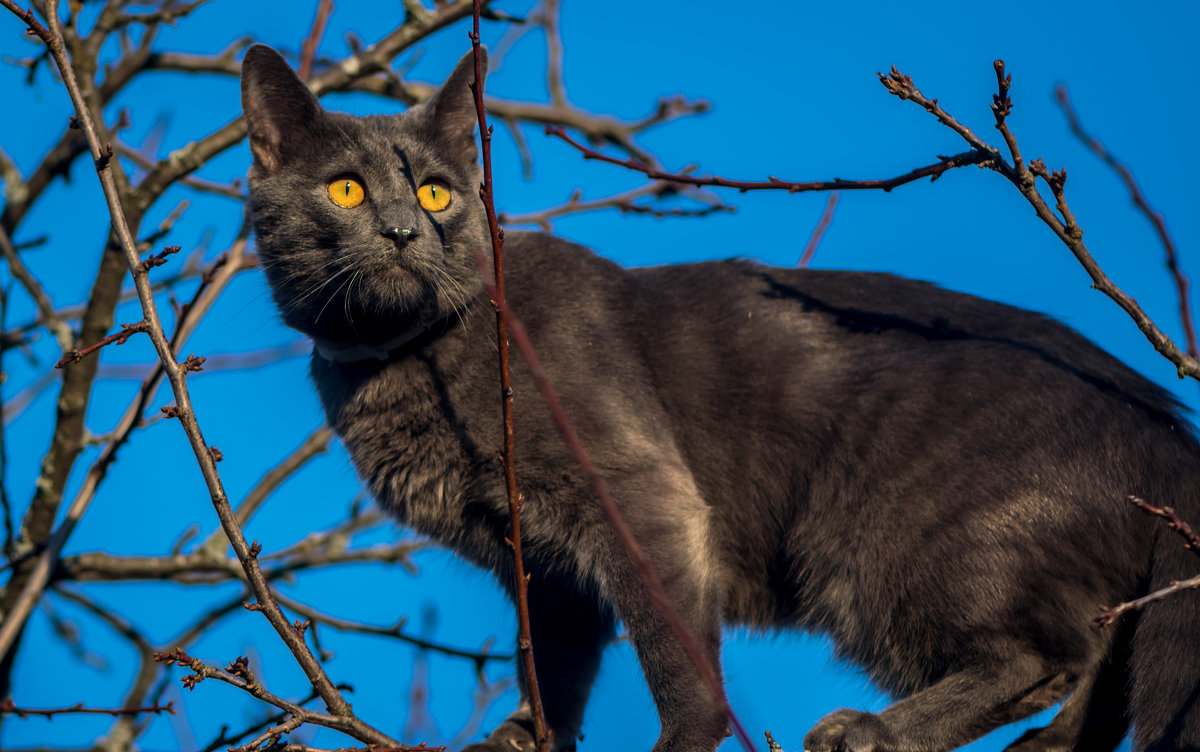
(357, 352)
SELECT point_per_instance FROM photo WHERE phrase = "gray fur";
(937, 481)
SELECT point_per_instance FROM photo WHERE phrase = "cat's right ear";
(452, 108)
(277, 105)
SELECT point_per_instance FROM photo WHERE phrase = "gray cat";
(937, 481)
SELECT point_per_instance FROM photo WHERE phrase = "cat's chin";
(387, 288)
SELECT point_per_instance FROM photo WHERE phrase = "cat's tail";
(1165, 655)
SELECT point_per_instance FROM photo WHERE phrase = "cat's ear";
(452, 109)
(278, 107)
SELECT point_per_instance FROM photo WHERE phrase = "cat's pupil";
(347, 187)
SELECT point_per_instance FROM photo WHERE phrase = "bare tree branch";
(396, 631)
(819, 231)
(308, 50)
(541, 732)
(1156, 218)
(7, 706)
(316, 443)
(623, 202)
(933, 172)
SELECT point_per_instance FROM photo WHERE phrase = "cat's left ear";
(279, 108)
(452, 109)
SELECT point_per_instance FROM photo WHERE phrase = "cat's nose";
(399, 234)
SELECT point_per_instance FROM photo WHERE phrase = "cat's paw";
(508, 737)
(849, 731)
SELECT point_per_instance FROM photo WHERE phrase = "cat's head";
(367, 226)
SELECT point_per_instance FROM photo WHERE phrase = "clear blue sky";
(794, 94)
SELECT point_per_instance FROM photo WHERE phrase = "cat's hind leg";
(1095, 718)
(956, 710)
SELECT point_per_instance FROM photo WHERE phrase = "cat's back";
(699, 326)
(848, 325)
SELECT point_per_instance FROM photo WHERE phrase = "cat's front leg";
(570, 631)
(671, 525)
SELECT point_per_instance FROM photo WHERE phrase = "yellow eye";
(434, 196)
(346, 192)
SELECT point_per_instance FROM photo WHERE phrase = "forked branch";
(1023, 176)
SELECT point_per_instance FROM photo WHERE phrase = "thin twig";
(224, 740)
(8, 707)
(1139, 200)
(146, 672)
(933, 172)
(201, 568)
(597, 128)
(396, 631)
(815, 239)
(1109, 615)
(308, 50)
(541, 733)
(120, 338)
(1174, 522)
(623, 202)
(238, 674)
(232, 189)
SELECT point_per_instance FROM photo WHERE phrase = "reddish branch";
(121, 337)
(933, 171)
(1156, 218)
(541, 734)
(1191, 541)
(308, 50)
(822, 225)
(7, 706)
(158, 259)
